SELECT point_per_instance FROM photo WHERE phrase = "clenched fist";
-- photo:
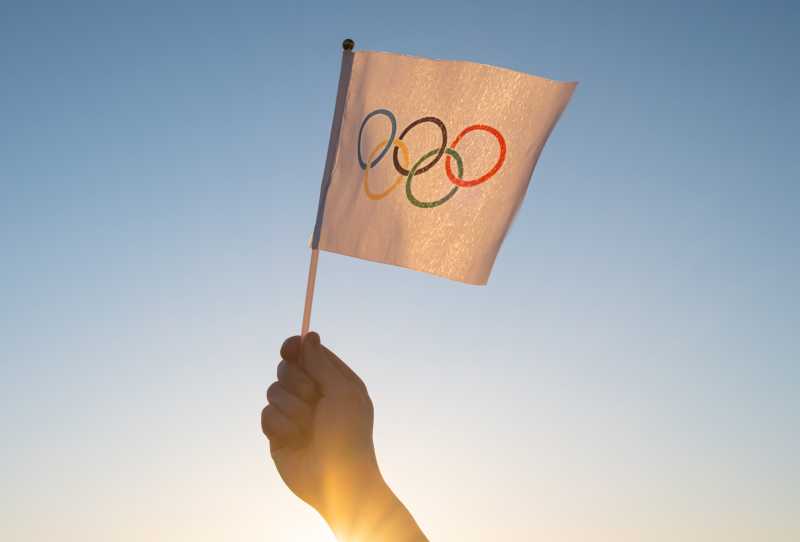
(319, 425)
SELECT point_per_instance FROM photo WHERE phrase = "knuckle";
(306, 389)
(289, 347)
(293, 379)
(273, 391)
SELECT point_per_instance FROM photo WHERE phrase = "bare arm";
(319, 425)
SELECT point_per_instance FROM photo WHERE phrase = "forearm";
(371, 512)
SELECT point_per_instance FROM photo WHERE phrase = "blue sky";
(630, 371)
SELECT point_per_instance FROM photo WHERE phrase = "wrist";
(348, 500)
(369, 510)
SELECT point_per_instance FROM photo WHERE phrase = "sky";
(629, 373)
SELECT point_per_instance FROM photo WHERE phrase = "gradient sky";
(630, 372)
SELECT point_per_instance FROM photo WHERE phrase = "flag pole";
(312, 280)
(333, 143)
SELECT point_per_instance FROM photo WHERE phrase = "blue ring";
(389, 115)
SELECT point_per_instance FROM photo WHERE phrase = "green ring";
(429, 204)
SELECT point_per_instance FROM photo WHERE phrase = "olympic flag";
(429, 161)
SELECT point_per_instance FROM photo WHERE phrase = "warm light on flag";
(429, 161)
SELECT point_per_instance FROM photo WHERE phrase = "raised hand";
(319, 424)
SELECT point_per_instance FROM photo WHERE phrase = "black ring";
(403, 171)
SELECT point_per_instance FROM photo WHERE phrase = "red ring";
(496, 133)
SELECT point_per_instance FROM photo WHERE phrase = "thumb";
(318, 365)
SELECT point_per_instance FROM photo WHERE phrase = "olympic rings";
(399, 178)
(380, 150)
(441, 149)
(414, 171)
(389, 115)
(485, 177)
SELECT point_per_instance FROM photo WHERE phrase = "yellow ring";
(397, 181)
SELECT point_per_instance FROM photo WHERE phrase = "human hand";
(319, 423)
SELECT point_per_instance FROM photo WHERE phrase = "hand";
(319, 424)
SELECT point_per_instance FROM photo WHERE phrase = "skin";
(319, 421)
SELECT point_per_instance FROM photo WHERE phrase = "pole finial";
(348, 44)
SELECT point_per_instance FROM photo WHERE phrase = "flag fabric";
(429, 160)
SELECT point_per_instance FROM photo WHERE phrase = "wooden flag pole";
(312, 279)
(344, 81)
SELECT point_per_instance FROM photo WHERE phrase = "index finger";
(290, 349)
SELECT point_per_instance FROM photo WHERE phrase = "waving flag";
(429, 160)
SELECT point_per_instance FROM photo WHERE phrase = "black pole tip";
(348, 44)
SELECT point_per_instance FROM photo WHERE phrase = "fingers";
(315, 360)
(278, 428)
(290, 350)
(296, 381)
(319, 368)
(292, 407)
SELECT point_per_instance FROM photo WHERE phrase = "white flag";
(429, 160)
